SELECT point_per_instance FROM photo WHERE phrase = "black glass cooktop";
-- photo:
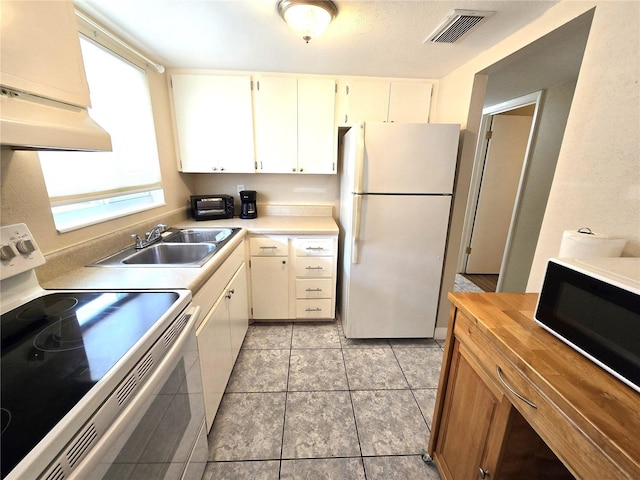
(55, 349)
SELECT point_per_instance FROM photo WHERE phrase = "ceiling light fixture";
(307, 18)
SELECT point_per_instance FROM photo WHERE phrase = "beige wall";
(24, 196)
(597, 174)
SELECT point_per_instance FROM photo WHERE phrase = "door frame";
(534, 98)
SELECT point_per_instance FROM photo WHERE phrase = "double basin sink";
(190, 247)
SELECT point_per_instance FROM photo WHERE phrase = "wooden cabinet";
(220, 333)
(293, 283)
(295, 124)
(269, 277)
(213, 123)
(370, 100)
(515, 403)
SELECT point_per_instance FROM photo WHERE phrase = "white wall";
(601, 139)
(597, 179)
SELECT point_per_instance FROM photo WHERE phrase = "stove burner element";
(5, 419)
(47, 308)
(61, 336)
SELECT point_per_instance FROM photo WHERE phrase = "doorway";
(506, 135)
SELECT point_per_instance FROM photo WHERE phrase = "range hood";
(29, 122)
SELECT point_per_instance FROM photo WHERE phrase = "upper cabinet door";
(316, 125)
(213, 123)
(40, 51)
(276, 124)
(364, 101)
(409, 102)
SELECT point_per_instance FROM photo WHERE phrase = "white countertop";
(191, 277)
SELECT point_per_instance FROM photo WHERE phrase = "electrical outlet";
(240, 188)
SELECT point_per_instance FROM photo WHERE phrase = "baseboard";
(440, 333)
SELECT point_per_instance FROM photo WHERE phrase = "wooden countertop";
(605, 409)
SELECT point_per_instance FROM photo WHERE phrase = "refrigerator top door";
(409, 158)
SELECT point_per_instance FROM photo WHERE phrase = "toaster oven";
(211, 207)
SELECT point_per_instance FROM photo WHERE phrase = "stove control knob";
(25, 246)
(6, 252)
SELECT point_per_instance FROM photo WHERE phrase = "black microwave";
(211, 207)
(593, 305)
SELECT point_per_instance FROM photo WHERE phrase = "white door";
(238, 310)
(394, 288)
(270, 287)
(500, 181)
(409, 158)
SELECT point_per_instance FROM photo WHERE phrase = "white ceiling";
(371, 38)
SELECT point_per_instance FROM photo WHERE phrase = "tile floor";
(304, 402)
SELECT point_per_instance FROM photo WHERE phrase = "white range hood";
(44, 96)
(28, 122)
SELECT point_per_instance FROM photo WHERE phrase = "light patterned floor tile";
(260, 371)
(256, 470)
(373, 368)
(248, 426)
(319, 424)
(389, 423)
(399, 468)
(421, 366)
(323, 469)
(317, 369)
(315, 335)
(426, 399)
(268, 335)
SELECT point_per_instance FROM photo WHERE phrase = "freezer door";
(394, 288)
(409, 158)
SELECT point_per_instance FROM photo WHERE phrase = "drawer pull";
(315, 268)
(315, 248)
(525, 400)
(313, 290)
(313, 309)
(269, 248)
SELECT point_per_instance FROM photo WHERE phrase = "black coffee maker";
(248, 208)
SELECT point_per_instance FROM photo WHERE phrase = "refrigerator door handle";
(355, 235)
(359, 161)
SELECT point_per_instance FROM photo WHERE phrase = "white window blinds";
(121, 104)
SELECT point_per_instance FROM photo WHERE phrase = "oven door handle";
(119, 424)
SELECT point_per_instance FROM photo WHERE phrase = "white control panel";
(18, 251)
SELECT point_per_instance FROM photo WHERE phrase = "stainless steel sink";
(200, 235)
(171, 254)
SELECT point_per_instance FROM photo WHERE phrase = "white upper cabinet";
(371, 100)
(276, 103)
(213, 123)
(316, 125)
(41, 51)
(295, 125)
(409, 102)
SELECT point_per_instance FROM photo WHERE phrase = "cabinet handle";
(313, 290)
(525, 400)
(229, 293)
(314, 268)
(284, 262)
(313, 309)
(483, 473)
(315, 248)
(269, 248)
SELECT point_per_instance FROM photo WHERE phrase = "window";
(90, 187)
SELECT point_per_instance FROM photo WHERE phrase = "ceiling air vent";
(457, 25)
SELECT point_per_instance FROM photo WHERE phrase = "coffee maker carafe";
(248, 204)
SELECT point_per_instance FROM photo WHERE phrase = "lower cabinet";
(222, 329)
(293, 277)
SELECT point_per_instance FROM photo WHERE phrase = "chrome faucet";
(151, 237)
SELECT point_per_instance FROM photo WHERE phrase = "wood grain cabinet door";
(474, 418)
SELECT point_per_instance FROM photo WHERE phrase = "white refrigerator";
(396, 187)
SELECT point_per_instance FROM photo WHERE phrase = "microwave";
(211, 207)
(593, 305)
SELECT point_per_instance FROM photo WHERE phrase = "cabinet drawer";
(552, 424)
(313, 288)
(317, 308)
(313, 247)
(314, 267)
(269, 246)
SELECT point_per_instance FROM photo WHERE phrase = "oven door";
(161, 432)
